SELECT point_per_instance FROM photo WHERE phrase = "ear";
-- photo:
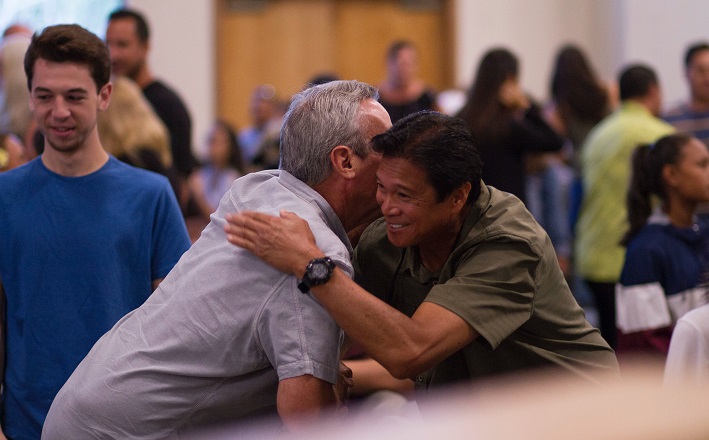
(342, 161)
(669, 175)
(104, 96)
(459, 196)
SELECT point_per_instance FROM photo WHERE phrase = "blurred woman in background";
(507, 124)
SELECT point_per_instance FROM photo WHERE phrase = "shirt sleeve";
(688, 356)
(532, 133)
(641, 302)
(170, 237)
(492, 289)
(298, 335)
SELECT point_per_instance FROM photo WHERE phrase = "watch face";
(320, 271)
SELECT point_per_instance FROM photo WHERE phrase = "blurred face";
(219, 146)
(261, 110)
(376, 121)
(409, 203)
(128, 54)
(262, 105)
(689, 178)
(698, 76)
(65, 103)
(404, 67)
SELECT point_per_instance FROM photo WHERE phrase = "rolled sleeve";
(298, 335)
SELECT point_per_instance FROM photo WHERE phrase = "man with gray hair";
(226, 337)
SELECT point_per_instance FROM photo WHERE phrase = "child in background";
(665, 270)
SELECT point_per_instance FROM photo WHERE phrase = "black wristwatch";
(318, 271)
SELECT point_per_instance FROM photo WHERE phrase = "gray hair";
(319, 119)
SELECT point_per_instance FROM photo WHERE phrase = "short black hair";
(141, 25)
(443, 146)
(635, 81)
(692, 50)
(69, 43)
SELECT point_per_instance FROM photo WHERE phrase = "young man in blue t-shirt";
(84, 238)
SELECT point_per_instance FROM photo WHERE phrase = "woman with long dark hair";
(667, 258)
(506, 123)
(580, 99)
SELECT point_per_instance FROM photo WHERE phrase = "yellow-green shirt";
(606, 169)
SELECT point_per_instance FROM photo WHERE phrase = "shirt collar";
(308, 194)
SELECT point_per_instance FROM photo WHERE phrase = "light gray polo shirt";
(212, 342)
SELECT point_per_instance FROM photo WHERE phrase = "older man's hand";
(284, 242)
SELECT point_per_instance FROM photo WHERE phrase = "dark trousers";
(604, 296)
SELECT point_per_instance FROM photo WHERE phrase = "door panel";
(288, 42)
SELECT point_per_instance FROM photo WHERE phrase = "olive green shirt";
(503, 279)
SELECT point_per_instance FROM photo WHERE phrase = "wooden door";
(287, 42)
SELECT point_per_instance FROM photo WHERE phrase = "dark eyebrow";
(75, 90)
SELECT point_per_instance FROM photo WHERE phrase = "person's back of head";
(574, 85)
(636, 81)
(130, 124)
(69, 43)
(319, 119)
(483, 110)
(443, 146)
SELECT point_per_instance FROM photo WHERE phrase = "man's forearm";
(304, 400)
(404, 346)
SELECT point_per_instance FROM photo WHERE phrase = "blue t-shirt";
(76, 254)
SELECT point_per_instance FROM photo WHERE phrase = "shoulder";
(651, 238)
(271, 191)
(17, 181)
(679, 111)
(374, 238)
(698, 318)
(374, 251)
(645, 125)
(505, 217)
(159, 92)
(606, 124)
(134, 176)
(651, 250)
(19, 173)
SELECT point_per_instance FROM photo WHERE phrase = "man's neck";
(680, 211)
(76, 163)
(144, 77)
